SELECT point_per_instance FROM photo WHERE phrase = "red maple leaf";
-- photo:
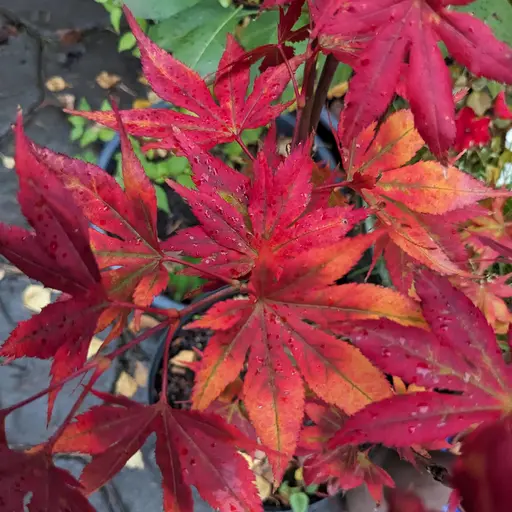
(295, 257)
(126, 247)
(408, 31)
(489, 233)
(471, 130)
(30, 481)
(241, 220)
(274, 54)
(414, 203)
(344, 467)
(210, 123)
(460, 354)
(192, 448)
(480, 473)
(58, 254)
(501, 249)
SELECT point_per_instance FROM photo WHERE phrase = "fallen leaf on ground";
(107, 80)
(94, 347)
(7, 161)
(69, 36)
(56, 84)
(126, 385)
(36, 297)
(141, 103)
(338, 91)
(146, 322)
(67, 100)
(184, 358)
(135, 461)
(141, 374)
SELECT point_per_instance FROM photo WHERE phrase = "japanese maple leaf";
(490, 233)
(345, 47)
(241, 220)
(501, 249)
(448, 232)
(460, 354)
(408, 198)
(345, 467)
(127, 247)
(294, 257)
(488, 294)
(471, 130)
(274, 54)
(209, 123)
(192, 448)
(57, 253)
(480, 473)
(30, 481)
(408, 31)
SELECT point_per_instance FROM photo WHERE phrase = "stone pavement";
(68, 38)
(32, 49)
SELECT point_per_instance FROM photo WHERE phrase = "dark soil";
(181, 380)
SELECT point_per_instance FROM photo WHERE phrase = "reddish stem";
(304, 114)
(168, 339)
(298, 97)
(241, 143)
(231, 282)
(87, 387)
(214, 297)
(96, 364)
(332, 185)
(154, 311)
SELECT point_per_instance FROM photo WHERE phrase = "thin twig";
(205, 271)
(292, 76)
(165, 377)
(241, 143)
(304, 114)
(321, 90)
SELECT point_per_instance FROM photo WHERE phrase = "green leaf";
(185, 181)
(342, 74)
(76, 132)
(197, 36)
(126, 42)
(496, 13)
(161, 199)
(232, 150)
(177, 165)
(260, 31)
(115, 18)
(311, 489)
(494, 88)
(83, 104)
(106, 134)
(90, 135)
(158, 9)
(284, 490)
(77, 121)
(88, 156)
(181, 285)
(251, 136)
(105, 105)
(299, 502)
